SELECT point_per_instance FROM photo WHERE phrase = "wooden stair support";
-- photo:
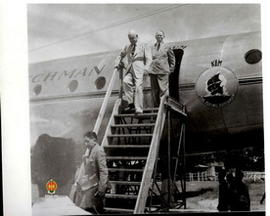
(151, 159)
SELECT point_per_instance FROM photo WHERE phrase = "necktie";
(133, 50)
(158, 46)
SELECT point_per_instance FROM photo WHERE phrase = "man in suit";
(92, 182)
(135, 59)
(162, 65)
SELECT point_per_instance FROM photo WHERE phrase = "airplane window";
(37, 89)
(253, 56)
(100, 82)
(73, 85)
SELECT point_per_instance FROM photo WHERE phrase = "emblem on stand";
(51, 186)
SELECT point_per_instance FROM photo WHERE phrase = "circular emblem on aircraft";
(217, 86)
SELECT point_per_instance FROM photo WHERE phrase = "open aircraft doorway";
(176, 75)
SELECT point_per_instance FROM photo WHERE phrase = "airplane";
(218, 80)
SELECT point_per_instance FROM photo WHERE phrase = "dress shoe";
(132, 106)
(129, 109)
(138, 113)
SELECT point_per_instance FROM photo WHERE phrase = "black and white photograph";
(145, 108)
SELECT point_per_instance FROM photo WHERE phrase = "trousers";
(133, 89)
(159, 86)
(88, 201)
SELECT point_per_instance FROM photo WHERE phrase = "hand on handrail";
(120, 66)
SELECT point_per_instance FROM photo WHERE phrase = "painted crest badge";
(51, 186)
(217, 86)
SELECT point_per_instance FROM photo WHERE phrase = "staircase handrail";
(151, 159)
(105, 102)
(108, 129)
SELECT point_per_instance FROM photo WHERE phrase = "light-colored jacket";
(163, 60)
(95, 170)
(139, 62)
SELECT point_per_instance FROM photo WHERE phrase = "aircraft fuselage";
(219, 82)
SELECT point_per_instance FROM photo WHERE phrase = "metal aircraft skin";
(220, 83)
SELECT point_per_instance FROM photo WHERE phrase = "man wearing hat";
(135, 60)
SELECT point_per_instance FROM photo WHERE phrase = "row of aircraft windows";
(73, 85)
(252, 57)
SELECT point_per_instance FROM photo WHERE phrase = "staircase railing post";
(184, 164)
(169, 157)
(151, 159)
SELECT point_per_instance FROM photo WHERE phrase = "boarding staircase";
(127, 142)
(131, 142)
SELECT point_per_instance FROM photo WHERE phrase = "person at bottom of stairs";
(92, 185)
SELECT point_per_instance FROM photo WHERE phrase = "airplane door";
(174, 77)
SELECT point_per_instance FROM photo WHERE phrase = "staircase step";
(143, 115)
(176, 106)
(125, 158)
(125, 183)
(118, 210)
(120, 196)
(125, 170)
(129, 135)
(125, 146)
(150, 109)
(133, 125)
